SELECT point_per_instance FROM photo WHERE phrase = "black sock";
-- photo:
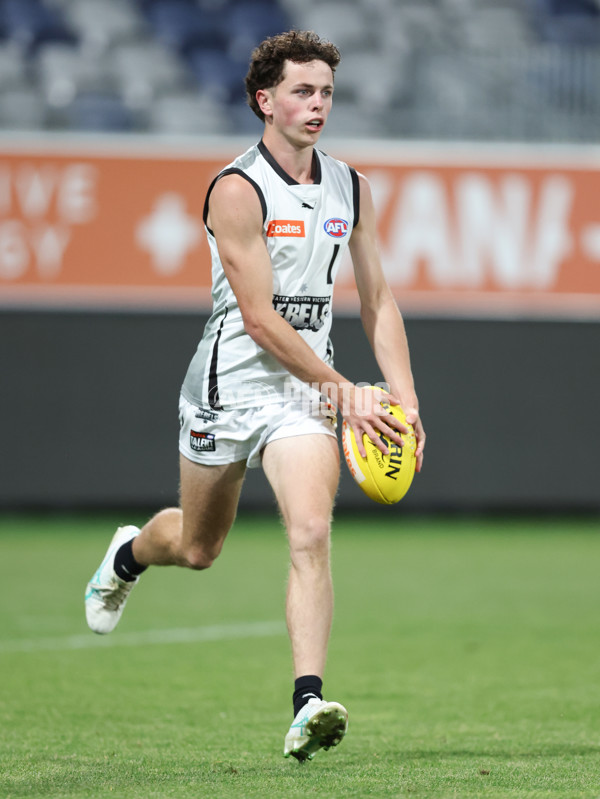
(126, 566)
(306, 688)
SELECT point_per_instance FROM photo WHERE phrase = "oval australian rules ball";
(383, 478)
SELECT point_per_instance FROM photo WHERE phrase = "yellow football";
(383, 478)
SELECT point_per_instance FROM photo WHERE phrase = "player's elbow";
(252, 326)
(255, 327)
(377, 307)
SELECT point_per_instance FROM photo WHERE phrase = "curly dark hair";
(268, 60)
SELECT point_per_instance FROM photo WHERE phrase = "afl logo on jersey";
(336, 228)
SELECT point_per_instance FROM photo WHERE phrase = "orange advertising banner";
(510, 231)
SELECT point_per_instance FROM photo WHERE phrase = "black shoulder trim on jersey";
(213, 379)
(316, 167)
(234, 171)
(262, 148)
(355, 195)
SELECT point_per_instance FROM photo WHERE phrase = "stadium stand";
(482, 69)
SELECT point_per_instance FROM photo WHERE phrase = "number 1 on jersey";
(336, 249)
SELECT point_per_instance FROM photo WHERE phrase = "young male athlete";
(262, 388)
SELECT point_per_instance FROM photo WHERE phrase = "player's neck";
(296, 161)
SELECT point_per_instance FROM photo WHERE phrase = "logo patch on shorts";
(202, 442)
(206, 416)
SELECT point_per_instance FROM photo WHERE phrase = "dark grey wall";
(88, 410)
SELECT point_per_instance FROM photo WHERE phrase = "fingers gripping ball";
(383, 478)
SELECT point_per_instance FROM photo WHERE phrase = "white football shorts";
(214, 438)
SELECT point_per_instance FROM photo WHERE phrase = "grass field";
(467, 653)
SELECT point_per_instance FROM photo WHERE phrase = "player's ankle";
(126, 566)
(307, 687)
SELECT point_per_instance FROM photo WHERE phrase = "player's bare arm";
(381, 318)
(236, 220)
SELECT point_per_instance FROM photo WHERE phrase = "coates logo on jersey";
(286, 227)
(336, 228)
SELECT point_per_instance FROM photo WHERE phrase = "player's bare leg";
(191, 536)
(304, 474)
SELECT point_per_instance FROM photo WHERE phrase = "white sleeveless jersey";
(306, 229)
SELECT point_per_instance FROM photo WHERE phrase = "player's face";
(301, 103)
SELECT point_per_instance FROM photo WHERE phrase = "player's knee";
(171, 519)
(310, 537)
(198, 557)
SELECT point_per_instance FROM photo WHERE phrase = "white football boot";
(106, 593)
(318, 725)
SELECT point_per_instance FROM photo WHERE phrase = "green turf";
(467, 653)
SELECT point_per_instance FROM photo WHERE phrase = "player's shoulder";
(234, 193)
(235, 201)
(247, 159)
(330, 161)
(236, 180)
